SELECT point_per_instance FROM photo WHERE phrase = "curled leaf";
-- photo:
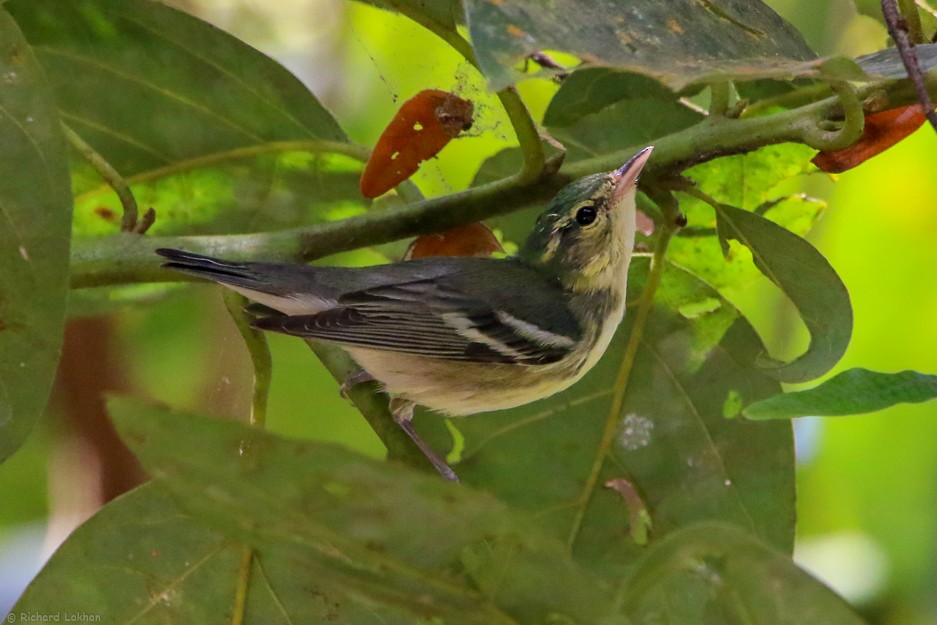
(420, 129)
(808, 280)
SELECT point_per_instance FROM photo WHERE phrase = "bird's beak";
(626, 176)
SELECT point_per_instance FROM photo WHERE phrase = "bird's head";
(586, 236)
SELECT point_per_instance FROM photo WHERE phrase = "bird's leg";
(402, 411)
(356, 378)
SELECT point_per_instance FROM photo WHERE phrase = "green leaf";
(139, 559)
(590, 89)
(435, 14)
(35, 215)
(712, 573)
(266, 192)
(404, 544)
(749, 181)
(676, 41)
(636, 122)
(162, 95)
(808, 280)
(686, 461)
(854, 391)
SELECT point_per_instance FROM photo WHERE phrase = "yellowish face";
(587, 235)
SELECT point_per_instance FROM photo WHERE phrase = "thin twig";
(110, 175)
(245, 565)
(612, 421)
(898, 29)
(259, 351)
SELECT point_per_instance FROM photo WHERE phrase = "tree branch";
(125, 259)
(898, 29)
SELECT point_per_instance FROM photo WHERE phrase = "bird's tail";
(244, 275)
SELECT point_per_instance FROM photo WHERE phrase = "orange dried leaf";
(474, 239)
(420, 129)
(882, 130)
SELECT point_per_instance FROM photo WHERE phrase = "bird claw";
(356, 378)
(402, 411)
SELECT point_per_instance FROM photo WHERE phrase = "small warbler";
(465, 335)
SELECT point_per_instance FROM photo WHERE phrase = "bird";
(464, 335)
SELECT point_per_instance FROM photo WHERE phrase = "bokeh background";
(867, 499)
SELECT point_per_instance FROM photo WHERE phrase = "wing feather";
(427, 318)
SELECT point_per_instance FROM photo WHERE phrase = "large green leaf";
(35, 217)
(162, 95)
(676, 41)
(807, 278)
(688, 462)
(855, 391)
(400, 543)
(140, 559)
(748, 181)
(634, 122)
(713, 574)
(591, 89)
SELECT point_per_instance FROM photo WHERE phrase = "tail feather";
(226, 272)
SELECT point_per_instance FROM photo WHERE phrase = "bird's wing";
(436, 318)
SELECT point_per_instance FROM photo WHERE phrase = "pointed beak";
(626, 176)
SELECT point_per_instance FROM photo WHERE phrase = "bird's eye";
(586, 215)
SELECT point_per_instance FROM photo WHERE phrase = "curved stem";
(528, 137)
(612, 421)
(110, 175)
(851, 130)
(344, 148)
(795, 98)
(259, 351)
(524, 126)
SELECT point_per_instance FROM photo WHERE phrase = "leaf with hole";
(420, 129)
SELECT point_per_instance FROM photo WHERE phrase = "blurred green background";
(867, 485)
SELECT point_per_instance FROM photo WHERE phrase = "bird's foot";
(356, 378)
(402, 411)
